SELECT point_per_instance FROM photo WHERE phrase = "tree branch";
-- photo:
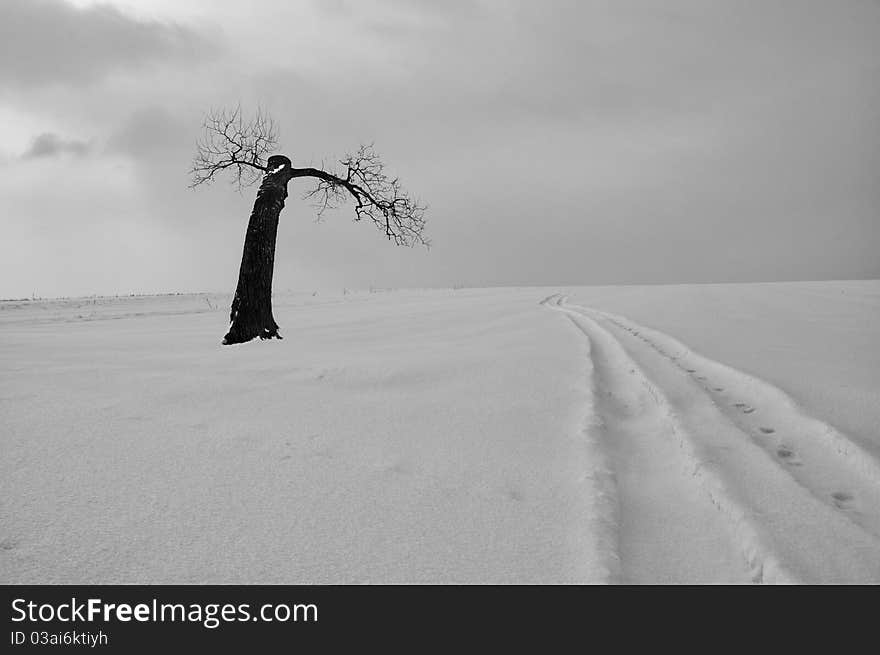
(231, 142)
(376, 196)
(243, 146)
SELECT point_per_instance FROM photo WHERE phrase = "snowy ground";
(715, 433)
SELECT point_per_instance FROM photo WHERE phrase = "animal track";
(842, 499)
(748, 410)
(787, 454)
(767, 430)
(287, 455)
(399, 468)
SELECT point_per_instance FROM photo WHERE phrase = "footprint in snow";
(399, 468)
(788, 455)
(767, 430)
(691, 370)
(842, 499)
(719, 388)
(748, 410)
(323, 453)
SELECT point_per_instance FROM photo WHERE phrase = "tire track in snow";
(654, 522)
(823, 460)
(601, 495)
(799, 494)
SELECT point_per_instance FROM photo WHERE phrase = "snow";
(691, 433)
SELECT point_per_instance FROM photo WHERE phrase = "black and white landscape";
(641, 348)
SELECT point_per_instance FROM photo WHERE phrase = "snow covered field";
(694, 433)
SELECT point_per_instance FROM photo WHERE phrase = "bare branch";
(230, 142)
(377, 197)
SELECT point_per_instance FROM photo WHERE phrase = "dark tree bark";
(251, 314)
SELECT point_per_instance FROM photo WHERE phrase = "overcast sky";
(588, 142)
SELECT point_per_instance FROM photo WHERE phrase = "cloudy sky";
(590, 142)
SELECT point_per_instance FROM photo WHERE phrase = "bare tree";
(242, 147)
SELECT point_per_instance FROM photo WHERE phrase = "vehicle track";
(800, 500)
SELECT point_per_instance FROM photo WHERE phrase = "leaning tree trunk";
(251, 314)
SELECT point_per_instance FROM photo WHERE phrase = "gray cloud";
(159, 144)
(150, 131)
(587, 142)
(50, 144)
(48, 41)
